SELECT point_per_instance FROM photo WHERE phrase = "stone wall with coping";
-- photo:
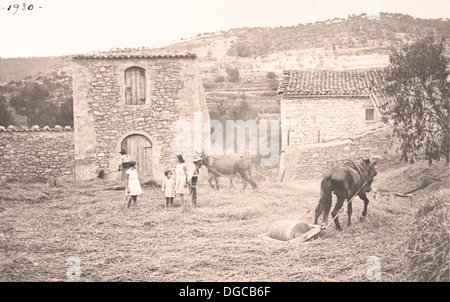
(27, 153)
(313, 160)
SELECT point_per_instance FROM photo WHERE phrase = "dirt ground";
(42, 226)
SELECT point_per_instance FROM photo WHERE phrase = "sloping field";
(42, 226)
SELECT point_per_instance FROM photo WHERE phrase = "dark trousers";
(169, 200)
(193, 190)
(134, 199)
(124, 168)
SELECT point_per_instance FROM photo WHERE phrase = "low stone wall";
(34, 152)
(313, 160)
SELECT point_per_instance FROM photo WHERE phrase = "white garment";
(168, 187)
(180, 180)
(192, 171)
(133, 182)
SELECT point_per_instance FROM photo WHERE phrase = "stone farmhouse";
(121, 101)
(328, 117)
(319, 106)
(125, 101)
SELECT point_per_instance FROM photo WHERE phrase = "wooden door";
(140, 149)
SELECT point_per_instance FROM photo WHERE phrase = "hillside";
(273, 49)
(16, 69)
(354, 42)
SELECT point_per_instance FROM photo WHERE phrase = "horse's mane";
(359, 166)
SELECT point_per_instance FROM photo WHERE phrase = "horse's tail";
(324, 205)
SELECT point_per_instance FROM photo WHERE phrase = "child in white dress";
(181, 180)
(133, 186)
(168, 188)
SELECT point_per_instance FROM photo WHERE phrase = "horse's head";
(370, 172)
(206, 159)
(198, 160)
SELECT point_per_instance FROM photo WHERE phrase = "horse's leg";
(337, 207)
(210, 178)
(366, 203)
(231, 182)
(317, 213)
(244, 184)
(326, 212)
(216, 178)
(248, 177)
(349, 213)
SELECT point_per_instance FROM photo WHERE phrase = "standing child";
(168, 188)
(133, 185)
(181, 180)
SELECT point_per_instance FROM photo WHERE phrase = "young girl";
(181, 179)
(133, 185)
(168, 188)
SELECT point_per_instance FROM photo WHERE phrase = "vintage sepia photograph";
(202, 142)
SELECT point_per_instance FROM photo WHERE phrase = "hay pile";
(427, 246)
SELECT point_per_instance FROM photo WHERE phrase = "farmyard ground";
(42, 227)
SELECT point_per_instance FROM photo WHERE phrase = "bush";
(273, 85)
(271, 75)
(243, 51)
(219, 79)
(233, 74)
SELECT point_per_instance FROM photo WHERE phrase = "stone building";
(320, 106)
(130, 101)
(329, 117)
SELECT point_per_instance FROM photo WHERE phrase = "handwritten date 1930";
(14, 8)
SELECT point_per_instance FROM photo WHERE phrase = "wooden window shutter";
(370, 114)
(135, 83)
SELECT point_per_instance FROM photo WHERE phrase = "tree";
(45, 115)
(65, 116)
(31, 103)
(233, 74)
(271, 75)
(30, 100)
(243, 50)
(6, 118)
(418, 94)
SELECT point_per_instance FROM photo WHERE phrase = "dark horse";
(345, 181)
(228, 166)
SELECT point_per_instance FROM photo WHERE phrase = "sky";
(65, 27)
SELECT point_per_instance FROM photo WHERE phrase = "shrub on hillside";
(271, 75)
(219, 79)
(233, 74)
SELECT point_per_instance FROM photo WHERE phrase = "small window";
(370, 114)
(135, 83)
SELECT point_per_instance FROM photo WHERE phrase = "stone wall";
(313, 160)
(102, 119)
(29, 153)
(309, 120)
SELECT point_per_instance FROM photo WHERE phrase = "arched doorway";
(139, 148)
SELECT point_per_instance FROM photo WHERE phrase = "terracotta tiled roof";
(329, 82)
(133, 56)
